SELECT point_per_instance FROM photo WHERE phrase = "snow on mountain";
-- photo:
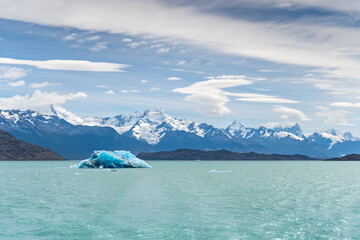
(62, 113)
(149, 126)
(23, 119)
(152, 126)
(332, 137)
(236, 129)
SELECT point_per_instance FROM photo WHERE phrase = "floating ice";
(216, 171)
(109, 159)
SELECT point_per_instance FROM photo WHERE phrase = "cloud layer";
(70, 65)
(316, 45)
(39, 100)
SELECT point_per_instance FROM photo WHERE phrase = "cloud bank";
(69, 65)
(39, 101)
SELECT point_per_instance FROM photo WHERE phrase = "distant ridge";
(14, 149)
(193, 154)
(349, 157)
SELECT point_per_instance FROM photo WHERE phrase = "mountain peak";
(68, 116)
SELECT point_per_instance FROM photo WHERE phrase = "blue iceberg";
(109, 159)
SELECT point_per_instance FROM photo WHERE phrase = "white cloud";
(70, 37)
(158, 45)
(174, 78)
(130, 91)
(40, 101)
(101, 86)
(93, 38)
(336, 117)
(127, 40)
(136, 44)
(70, 65)
(11, 73)
(17, 84)
(345, 104)
(180, 63)
(260, 98)
(154, 89)
(99, 47)
(290, 114)
(210, 96)
(43, 84)
(110, 92)
(163, 50)
(144, 81)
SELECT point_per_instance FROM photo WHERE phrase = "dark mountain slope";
(14, 149)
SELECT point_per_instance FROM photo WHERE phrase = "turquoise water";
(181, 200)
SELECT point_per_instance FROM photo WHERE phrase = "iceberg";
(109, 159)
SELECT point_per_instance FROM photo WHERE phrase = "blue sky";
(209, 61)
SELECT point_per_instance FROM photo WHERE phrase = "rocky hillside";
(14, 149)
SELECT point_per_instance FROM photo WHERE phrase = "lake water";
(181, 200)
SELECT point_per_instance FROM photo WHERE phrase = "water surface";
(181, 200)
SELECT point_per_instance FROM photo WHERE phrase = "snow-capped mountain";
(331, 137)
(149, 126)
(153, 130)
(66, 139)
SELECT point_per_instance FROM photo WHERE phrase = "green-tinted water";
(181, 200)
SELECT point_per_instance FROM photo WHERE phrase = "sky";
(256, 61)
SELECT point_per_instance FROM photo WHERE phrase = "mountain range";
(76, 137)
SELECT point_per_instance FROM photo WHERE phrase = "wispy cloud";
(70, 37)
(99, 47)
(70, 65)
(163, 50)
(174, 78)
(143, 81)
(12, 73)
(39, 100)
(261, 98)
(180, 70)
(270, 70)
(44, 84)
(110, 92)
(345, 104)
(290, 114)
(272, 41)
(130, 91)
(17, 84)
(335, 117)
(210, 94)
(136, 44)
(93, 38)
(154, 89)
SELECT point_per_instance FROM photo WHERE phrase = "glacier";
(115, 159)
